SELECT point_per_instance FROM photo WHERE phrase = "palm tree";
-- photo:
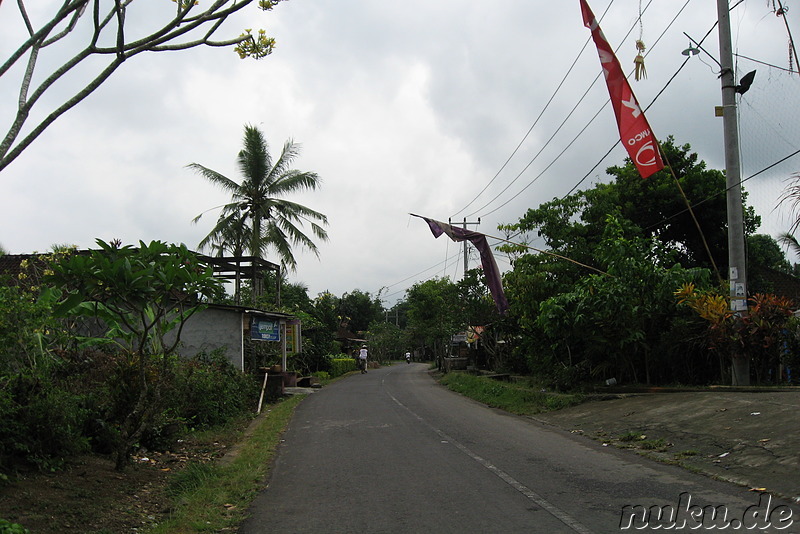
(258, 217)
(791, 195)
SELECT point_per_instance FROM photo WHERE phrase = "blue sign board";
(264, 329)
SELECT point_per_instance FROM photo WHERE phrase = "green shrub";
(212, 391)
(40, 424)
(341, 366)
(7, 527)
(322, 375)
(309, 362)
(514, 398)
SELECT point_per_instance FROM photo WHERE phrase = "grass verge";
(517, 398)
(214, 497)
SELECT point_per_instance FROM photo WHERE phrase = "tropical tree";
(764, 251)
(573, 225)
(360, 310)
(764, 257)
(791, 195)
(386, 341)
(143, 295)
(258, 218)
(111, 37)
(620, 324)
(434, 315)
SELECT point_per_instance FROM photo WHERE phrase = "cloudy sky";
(400, 107)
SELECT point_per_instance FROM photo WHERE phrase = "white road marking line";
(505, 477)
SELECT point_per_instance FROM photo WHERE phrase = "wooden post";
(263, 387)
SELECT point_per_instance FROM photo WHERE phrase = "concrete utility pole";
(740, 364)
(466, 256)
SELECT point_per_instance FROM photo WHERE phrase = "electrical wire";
(560, 154)
(535, 122)
(671, 79)
(454, 256)
(723, 191)
(552, 136)
(580, 133)
(767, 64)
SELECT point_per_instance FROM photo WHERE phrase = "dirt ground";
(90, 497)
(748, 437)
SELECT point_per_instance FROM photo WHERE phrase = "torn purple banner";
(490, 269)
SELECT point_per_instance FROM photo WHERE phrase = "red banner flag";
(634, 131)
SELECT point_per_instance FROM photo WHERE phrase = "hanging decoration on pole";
(490, 269)
(634, 129)
(640, 72)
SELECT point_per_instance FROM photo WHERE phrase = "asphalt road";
(391, 451)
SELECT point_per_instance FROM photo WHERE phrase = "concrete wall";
(211, 329)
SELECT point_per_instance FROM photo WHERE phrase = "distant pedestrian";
(408, 357)
(362, 358)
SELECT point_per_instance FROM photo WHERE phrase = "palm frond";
(791, 195)
(258, 218)
(254, 160)
(297, 211)
(289, 152)
(214, 177)
(294, 180)
(790, 241)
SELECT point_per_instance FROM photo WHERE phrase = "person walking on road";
(362, 359)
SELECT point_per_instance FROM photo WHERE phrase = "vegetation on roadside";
(521, 398)
(88, 339)
(6, 527)
(88, 364)
(209, 497)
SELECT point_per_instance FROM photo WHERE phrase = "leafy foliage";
(763, 335)
(574, 225)
(610, 325)
(24, 322)
(386, 341)
(209, 391)
(6, 527)
(140, 295)
(341, 365)
(359, 310)
(434, 315)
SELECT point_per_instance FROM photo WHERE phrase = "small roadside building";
(234, 329)
(243, 333)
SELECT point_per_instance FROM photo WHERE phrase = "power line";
(724, 191)
(663, 33)
(535, 122)
(767, 64)
(450, 258)
(553, 135)
(580, 132)
(672, 78)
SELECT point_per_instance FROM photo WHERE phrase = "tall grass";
(517, 398)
